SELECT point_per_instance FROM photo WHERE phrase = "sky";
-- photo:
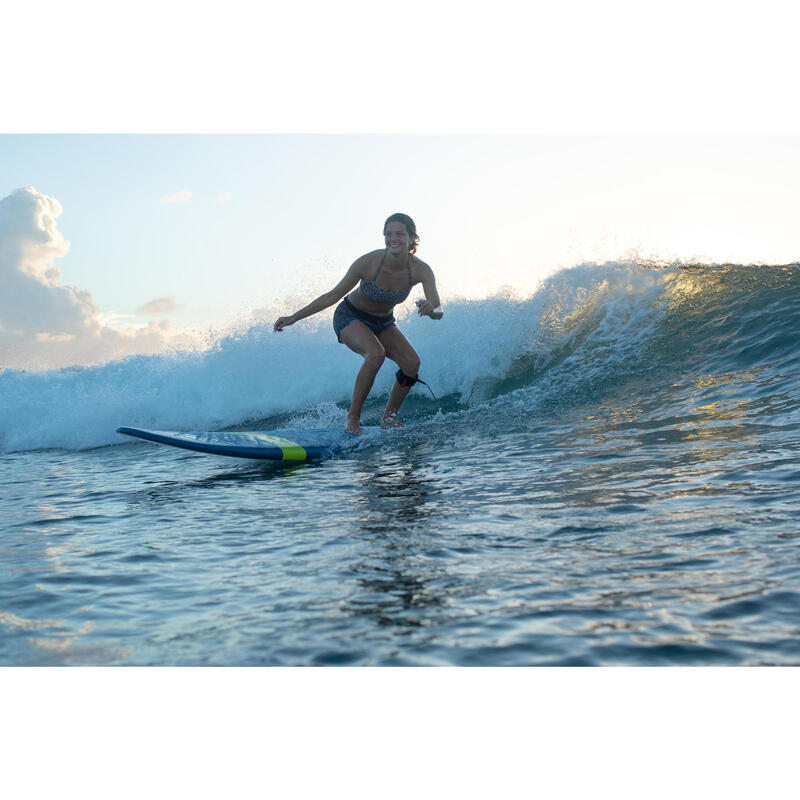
(152, 241)
(170, 174)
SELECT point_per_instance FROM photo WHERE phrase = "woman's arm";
(350, 279)
(432, 305)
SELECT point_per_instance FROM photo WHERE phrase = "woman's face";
(397, 239)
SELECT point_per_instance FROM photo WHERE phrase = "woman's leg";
(399, 349)
(360, 339)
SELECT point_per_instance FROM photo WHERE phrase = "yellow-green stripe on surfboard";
(291, 450)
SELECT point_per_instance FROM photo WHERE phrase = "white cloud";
(223, 197)
(177, 197)
(161, 305)
(43, 323)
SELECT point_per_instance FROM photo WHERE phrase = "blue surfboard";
(285, 445)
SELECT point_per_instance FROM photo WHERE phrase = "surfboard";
(285, 445)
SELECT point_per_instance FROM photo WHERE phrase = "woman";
(364, 320)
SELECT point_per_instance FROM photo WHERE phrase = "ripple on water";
(588, 546)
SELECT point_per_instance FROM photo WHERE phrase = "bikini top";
(378, 295)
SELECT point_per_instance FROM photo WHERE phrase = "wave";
(588, 332)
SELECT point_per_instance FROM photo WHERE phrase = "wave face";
(720, 338)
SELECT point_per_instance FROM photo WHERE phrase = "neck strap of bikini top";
(408, 265)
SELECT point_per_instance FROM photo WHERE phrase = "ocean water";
(610, 476)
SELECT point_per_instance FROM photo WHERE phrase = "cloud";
(223, 197)
(161, 305)
(178, 197)
(43, 323)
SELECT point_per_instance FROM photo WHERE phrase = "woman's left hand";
(425, 309)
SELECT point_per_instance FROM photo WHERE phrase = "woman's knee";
(375, 356)
(411, 367)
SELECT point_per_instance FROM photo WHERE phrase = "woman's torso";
(388, 284)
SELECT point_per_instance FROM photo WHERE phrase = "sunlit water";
(620, 485)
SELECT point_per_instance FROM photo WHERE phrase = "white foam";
(305, 372)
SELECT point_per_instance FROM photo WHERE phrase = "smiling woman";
(364, 320)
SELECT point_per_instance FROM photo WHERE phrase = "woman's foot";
(353, 425)
(391, 421)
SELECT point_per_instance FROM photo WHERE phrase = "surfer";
(364, 320)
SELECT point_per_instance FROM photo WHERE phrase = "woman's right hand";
(283, 322)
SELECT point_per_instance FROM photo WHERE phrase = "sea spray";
(587, 331)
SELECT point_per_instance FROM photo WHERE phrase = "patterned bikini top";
(378, 295)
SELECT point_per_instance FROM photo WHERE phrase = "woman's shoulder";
(419, 268)
(368, 259)
(367, 264)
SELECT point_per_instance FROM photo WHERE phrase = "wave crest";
(587, 331)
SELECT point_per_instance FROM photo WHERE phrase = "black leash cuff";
(407, 380)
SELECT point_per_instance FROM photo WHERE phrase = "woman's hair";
(409, 226)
